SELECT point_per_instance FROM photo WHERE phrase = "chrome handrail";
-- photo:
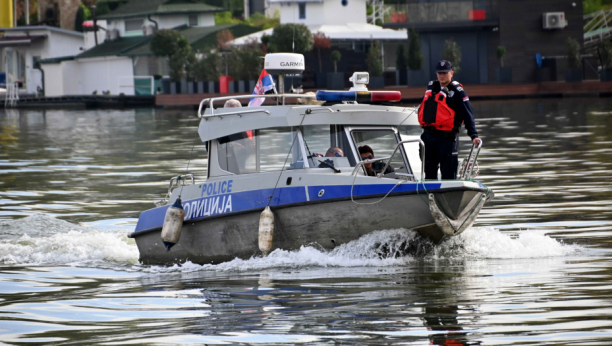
(174, 182)
(224, 98)
(469, 167)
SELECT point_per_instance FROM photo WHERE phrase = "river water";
(534, 270)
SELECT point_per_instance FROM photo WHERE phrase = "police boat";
(282, 176)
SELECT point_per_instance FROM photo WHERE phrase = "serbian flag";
(264, 84)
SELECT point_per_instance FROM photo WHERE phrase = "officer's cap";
(444, 66)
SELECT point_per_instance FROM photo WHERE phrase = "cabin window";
(302, 7)
(133, 24)
(383, 143)
(192, 19)
(325, 140)
(259, 151)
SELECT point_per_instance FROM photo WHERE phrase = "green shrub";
(452, 53)
(335, 57)
(574, 60)
(415, 56)
(283, 36)
(374, 60)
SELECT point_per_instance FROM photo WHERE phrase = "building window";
(302, 6)
(133, 24)
(193, 19)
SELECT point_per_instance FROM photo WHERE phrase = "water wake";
(43, 240)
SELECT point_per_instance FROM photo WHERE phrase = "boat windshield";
(328, 141)
(382, 142)
(258, 151)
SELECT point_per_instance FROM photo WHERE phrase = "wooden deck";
(475, 92)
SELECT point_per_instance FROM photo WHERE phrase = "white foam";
(42, 239)
(475, 243)
(488, 242)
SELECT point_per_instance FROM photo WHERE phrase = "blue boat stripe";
(241, 201)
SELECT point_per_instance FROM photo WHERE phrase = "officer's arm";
(465, 111)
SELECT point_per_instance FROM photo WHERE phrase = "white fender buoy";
(171, 230)
(266, 230)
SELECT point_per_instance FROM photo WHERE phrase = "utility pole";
(27, 12)
(95, 22)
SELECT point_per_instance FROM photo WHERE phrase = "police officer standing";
(444, 108)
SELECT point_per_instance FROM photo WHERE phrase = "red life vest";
(435, 112)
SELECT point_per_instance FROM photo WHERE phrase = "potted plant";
(416, 75)
(574, 61)
(375, 67)
(503, 75)
(604, 51)
(401, 74)
(335, 81)
(320, 42)
(452, 53)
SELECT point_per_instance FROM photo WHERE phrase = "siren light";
(359, 96)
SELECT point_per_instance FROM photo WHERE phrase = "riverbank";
(475, 92)
(83, 101)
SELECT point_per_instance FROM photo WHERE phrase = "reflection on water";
(535, 269)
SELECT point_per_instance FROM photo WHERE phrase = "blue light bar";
(359, 96)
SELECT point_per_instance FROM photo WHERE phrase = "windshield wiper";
(329, 163)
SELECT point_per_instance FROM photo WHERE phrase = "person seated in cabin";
(334, 152)
(232, 103)
(331, 152)
(367, 153)
(240, 147)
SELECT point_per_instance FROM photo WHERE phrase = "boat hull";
(324, 224)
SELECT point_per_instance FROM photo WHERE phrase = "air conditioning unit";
(554, 20)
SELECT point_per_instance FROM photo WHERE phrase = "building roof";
(56, 60)
(141, 8)
(19, 40)
(116, 47)
(42, 27)
(349, 31)
(200, 38)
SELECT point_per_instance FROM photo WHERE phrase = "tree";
(79, 19)
(173, 45)
(501, 52)
(415, 56)
(284, 35)
(223, 37)
(400, 58)
(452, 53)
(374, 60)
(574, 59)
(320, 42)
(335, 57)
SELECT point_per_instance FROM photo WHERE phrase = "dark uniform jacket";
(460, 103)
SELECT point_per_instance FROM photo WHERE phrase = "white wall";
(54, 79)
(56, 44)
(329, 12)
(164, 22)
(90, 40)
(84, 76)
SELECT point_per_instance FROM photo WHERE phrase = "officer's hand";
(476, 141)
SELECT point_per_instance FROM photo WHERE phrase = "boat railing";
(468, 170)
(388, 159)
(240, 111)
(179, 180)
